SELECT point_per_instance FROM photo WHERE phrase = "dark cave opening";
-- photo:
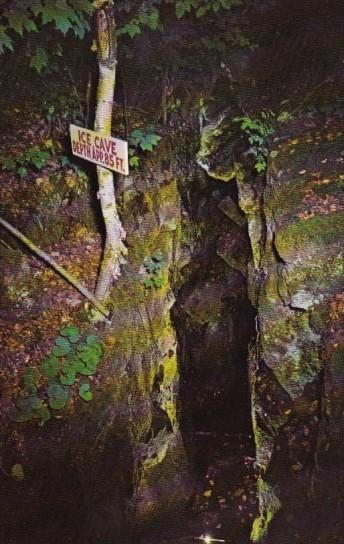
(214, 322)
(214, 398)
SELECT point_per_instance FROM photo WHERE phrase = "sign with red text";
(111, 153)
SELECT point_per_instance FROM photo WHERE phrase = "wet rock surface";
(297, 280)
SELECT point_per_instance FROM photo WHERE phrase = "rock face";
(295, 282)
(110, 468)
(296, 370)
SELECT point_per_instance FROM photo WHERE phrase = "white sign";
(106, 151)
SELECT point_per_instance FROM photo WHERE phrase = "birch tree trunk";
(114, 249)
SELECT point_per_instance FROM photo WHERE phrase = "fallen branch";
(55, 266)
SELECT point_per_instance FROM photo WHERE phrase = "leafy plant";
(72, 358)
(145, 17)
(155, 282)
(64, 16)
(85, 393)
(201, 7)
(143, 139)
(284, 117)
(153, 266)
(257, 131)
(33, 158)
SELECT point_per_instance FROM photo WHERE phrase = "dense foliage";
(18, 18)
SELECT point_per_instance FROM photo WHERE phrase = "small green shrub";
(143, 139)
(146, 17)
(257, 131)
(47, 390)
(153, 266)
(33, 158)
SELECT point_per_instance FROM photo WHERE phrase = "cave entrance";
(214, 321)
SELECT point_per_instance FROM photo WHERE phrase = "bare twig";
(55, 266)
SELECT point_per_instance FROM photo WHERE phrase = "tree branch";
(55, 266)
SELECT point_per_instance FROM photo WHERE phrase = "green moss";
(209, 139)
(170, 366)
(320, 275)
(290, 348)
(216, 144)
(269, 504)
(321, 230)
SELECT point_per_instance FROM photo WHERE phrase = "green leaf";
(153, 18)
(82, 5)
(136, 136)
(85, 392)
(31, 377)
(61, 351)
(149, 142)
(57, 404)
(202, 10)
(70, 331)
(90, 357)
(39, 60)
(87, 370)
(132, 29)
(35, 402)
(182, 7)
(284, 116)
(22, 171)
(50, 367)
(158, 257)
(92, 340)
(38, 158)
(44, 414)
(72, 365)
(55, 390)
(19, 19)
(58, 396)
(260, 166)
(5, 40)
(158, 282)
(29, 403)
(148, 283)
(216, 6)
(62, 342)
(134, 161)
(68, 379)
(64, 161)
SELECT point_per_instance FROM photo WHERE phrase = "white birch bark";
(114, 249)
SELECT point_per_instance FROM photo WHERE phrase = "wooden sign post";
(111, 153)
